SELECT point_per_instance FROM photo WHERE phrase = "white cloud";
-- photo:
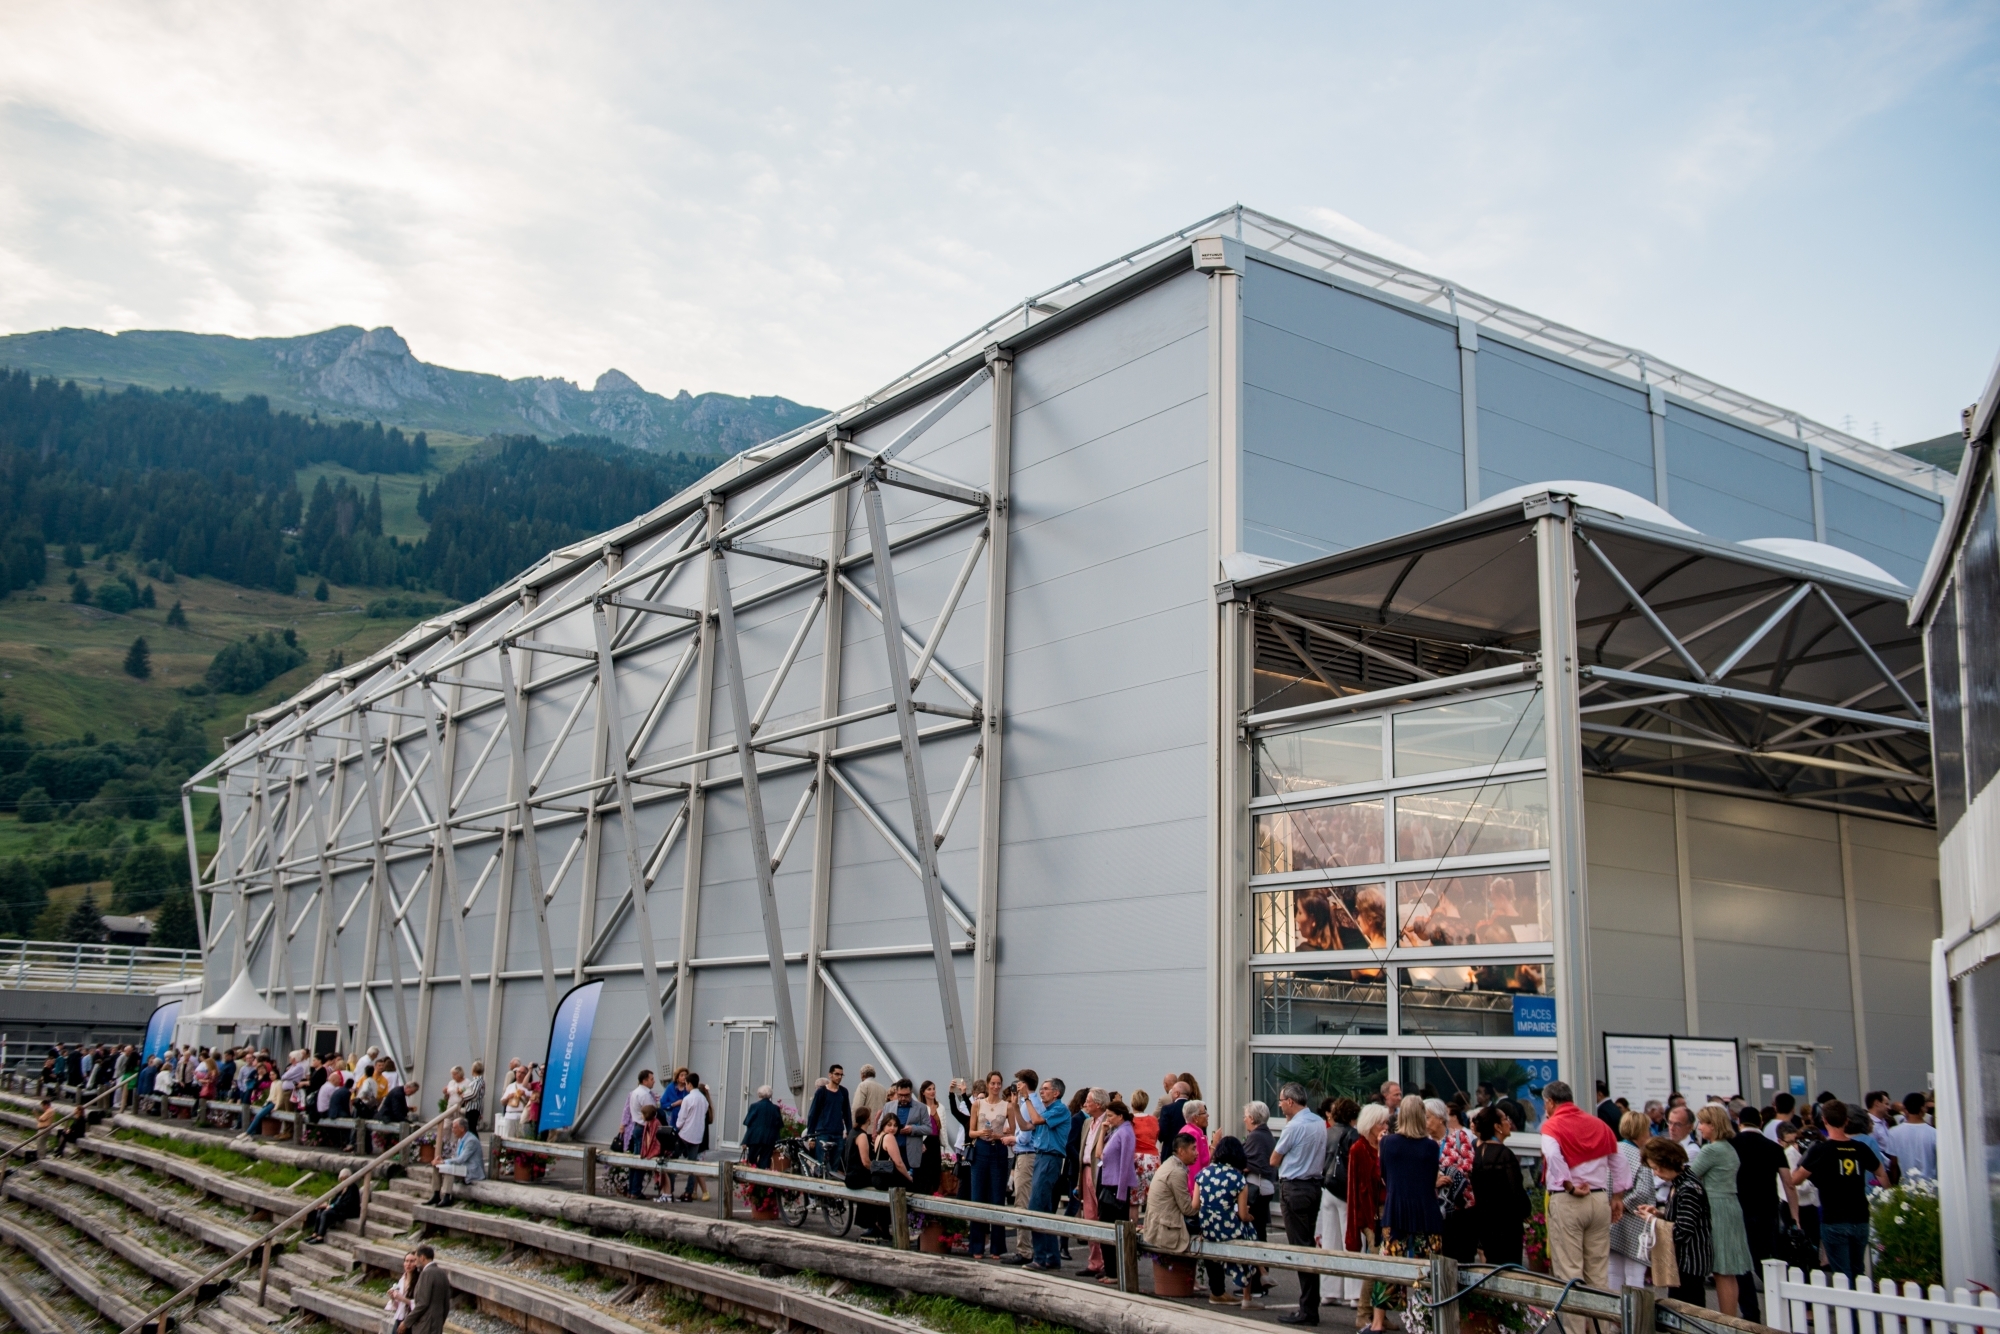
(807, 200)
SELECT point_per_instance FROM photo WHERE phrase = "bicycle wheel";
(793, 1206)
(839, 1216)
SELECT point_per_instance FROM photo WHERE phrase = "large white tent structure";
(930, 734)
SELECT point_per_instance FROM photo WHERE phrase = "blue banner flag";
(569, 1045)
(160, 1030)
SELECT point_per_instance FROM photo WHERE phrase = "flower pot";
(931, 1240)
(524, 1168)
(1173, 1276)
(1475, 1321)
(765, 1211)
(273, 1127)
(427, 1153)
(781, 1161)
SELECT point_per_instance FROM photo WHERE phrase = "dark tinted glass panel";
(1476, 909)
(1320, 838)
(1331, 1002)
(1469, 733)
(1979, 607)
(1493, 1000)
(1324, 917)
(1324, 1074)
(1473, 821)
(1320, 757)
(1947, 712)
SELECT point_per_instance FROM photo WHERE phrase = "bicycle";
(795, 1206)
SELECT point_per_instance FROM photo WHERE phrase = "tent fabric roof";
(242, 1006)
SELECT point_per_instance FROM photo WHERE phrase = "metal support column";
(444, 733)
(1684, 876)
(913, 772)
(628, 832)
(831, 647)
(1656, 414)
(1227, 1027)
(515, 694)
(1468, 404)
(986, 944)
(1853, 951)
(1555, 565)
(753, 811)
(593, 822)
(697, 807)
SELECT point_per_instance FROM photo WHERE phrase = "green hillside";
(1943, 452)
(371, 375)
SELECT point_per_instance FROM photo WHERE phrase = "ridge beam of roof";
(1777, 703)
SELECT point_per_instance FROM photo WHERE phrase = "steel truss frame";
(409, 739)
(1693, 704)
(1707, 708)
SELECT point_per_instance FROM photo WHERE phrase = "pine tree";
(139, 659)
(86, 924)
(173, 928)
(146, 599)
(73, 555)
(320, 593)
(371, 517)
(176, 617)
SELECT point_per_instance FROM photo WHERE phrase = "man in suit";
(1608, 1111)
(430, 1302)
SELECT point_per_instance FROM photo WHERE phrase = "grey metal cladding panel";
(1154, 869)
(1896, 933)
(1772, 918)
(1883, 523)
(1731, 840)
(1351, 421)
(1540, 420)
(1142, 421)
(1093, 599)
(1735, 484)
(1134, 792)
(1168, 315)
(1141, 718)
(1349, 383)
(1644, 902)
(1315, 483)
(1373, 330)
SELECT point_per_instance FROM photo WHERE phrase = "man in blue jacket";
(830, 1117)
(762, 1125)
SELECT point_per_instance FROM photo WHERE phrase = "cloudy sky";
(1798, 200)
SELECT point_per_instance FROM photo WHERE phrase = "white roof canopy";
(242, 1006)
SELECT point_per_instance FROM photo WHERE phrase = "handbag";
(1666, 1270)
(1794, 1247)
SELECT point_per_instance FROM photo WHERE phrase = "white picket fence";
(1802, 1304)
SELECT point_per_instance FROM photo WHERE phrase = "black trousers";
(1110, 1209)
(1301, 1203)
(1763, 1234)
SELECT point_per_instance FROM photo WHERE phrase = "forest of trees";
(493, 517)
(206, 486)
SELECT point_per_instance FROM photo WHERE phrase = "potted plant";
(762, 1201)
(1173, 1275)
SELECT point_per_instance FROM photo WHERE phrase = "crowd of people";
(1686, 1200)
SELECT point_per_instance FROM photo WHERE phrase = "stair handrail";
(157, 1315)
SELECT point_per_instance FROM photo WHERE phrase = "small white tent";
(243, 1007)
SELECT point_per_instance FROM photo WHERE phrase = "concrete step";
(314, 1263)
(226, 1321)
(244, 1307)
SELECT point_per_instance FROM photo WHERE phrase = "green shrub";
(1907, 1235)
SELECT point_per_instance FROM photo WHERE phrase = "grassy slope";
(61, 665)
(399, 490)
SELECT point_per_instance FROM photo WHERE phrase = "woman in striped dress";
(1687, 1212)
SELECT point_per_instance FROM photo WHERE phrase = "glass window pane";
(1349, 752)
(1325, 1075)
(1320, 837)
(1324, 917)
(1493, 1000)
(1482, 1080)
(1473, 821)
(1324, 1002)
(1476, 909)
(1495, 730)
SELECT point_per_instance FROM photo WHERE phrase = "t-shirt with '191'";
(1840, 1169)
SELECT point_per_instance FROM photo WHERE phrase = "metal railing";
(48, 965)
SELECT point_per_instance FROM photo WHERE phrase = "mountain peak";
(615, 381)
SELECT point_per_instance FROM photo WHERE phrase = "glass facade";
(1402, 917)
